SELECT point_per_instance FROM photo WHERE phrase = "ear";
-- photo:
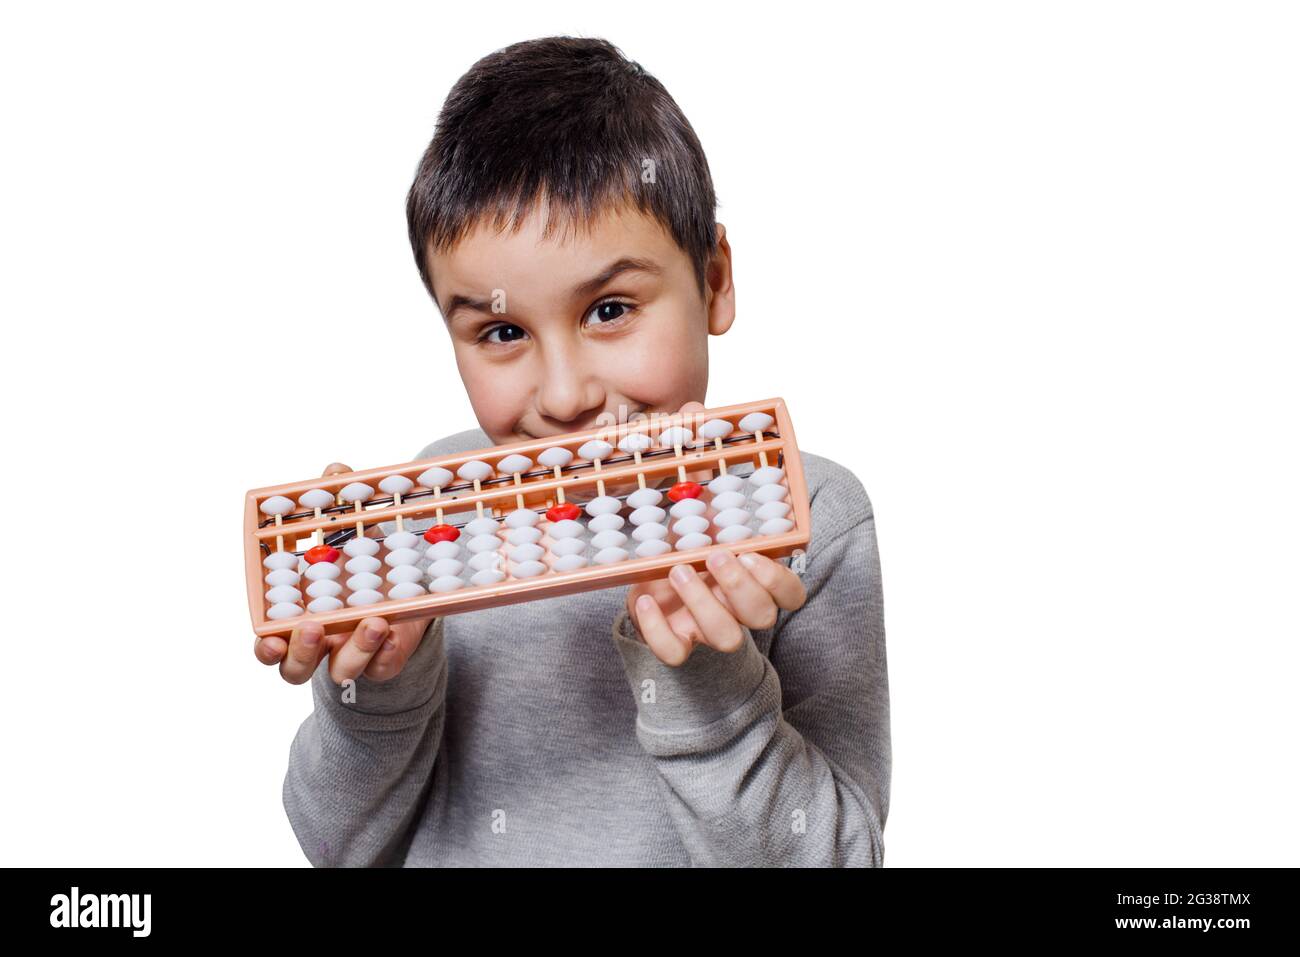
(720, 294)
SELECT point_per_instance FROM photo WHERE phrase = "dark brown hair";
(571, 120)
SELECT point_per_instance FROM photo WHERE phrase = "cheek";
(670, 365)
(498, 399)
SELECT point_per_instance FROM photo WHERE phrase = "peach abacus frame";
(699, 462)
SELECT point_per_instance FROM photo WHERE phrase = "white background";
(1029, 269)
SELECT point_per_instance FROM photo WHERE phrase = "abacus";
(527, 520)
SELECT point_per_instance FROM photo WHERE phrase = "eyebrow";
(585, 288)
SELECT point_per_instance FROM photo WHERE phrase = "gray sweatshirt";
(548, 734)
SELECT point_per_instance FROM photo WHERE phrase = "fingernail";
(718, 560)
(311, 637)
(644, 603)
(374, 631)
(390, 645)
(749, 560)
(681, 574)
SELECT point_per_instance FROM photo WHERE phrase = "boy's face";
(574, 332)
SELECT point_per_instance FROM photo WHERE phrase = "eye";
(508, 334)
(609, 312)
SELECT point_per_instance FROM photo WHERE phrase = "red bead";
(321, 553)
(558, 513)
(442, 533)
(685, 490)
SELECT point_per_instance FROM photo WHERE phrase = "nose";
(570, 391)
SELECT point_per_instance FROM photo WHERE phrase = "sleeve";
(361, 764)
(781, 759)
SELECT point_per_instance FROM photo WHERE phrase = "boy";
(562, 219)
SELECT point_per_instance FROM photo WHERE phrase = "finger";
(336, 468)
(783, 585)
(352, 658)
(692, 407)
(306, 646)
(720, 630)
(401, 643)
(750, 603)
(269, 650)
(654, 628)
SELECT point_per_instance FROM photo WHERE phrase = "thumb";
(336, 468)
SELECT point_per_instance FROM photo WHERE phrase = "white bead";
(567, 563)
(325, 588)
(402, 556)
(677, 435)
(322, 571)
(482, 560)
(283, 593)
(756, 422)
(522, 518)
(645, 496)
(316, 498)
(649, 532)
(400, 540)
(565, 528)
(608, 539)
(687, 506)
(523, 536)
(726, 483)
(731, 516)
(647, 514)
(442, 550)
(526, 553)
(360, 546)
(445, 583)
(568, 546)
(282, 576)
(484, 543)
(284, 610)
(769, 493)
(610, 555)
(356, 492)
(396, 485)
(364, 581)
(362, 563)
(488, 576)
(603, 523)
(694, 540)
(715, 429)
(603, 505)
(404, 573)
(635, 442)
(514, 463)
(280, 560)
(595, 449)
(368, 597)
(772, 510)
(767, 475)
(690, 525)
(445, 566)
(436, 477)
(728, 500)
(734, 533)
(325, 603)
(653, 547)
(474, 471)
(278, 505)
(528, 569)
(482, 526)
(775, 526)
(405, 590)
(557, 455)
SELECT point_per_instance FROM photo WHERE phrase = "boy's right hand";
(375, 648)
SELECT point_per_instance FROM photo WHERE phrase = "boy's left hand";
(690, 608)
